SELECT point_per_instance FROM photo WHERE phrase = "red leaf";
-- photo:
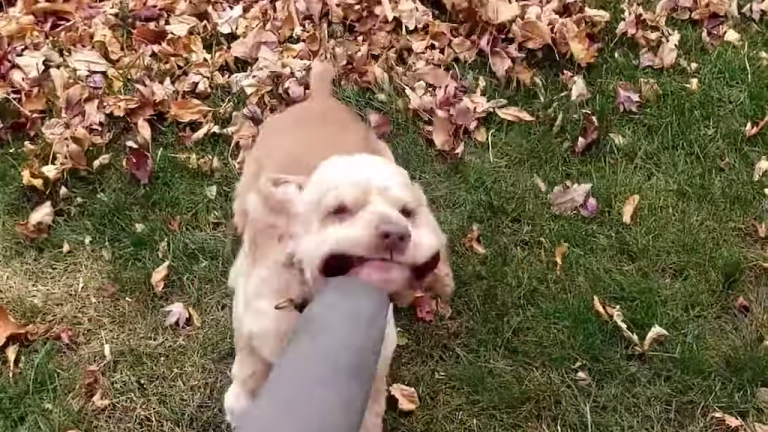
(425, 308)
(139, 164)
(147, 13)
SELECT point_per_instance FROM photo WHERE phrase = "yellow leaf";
(560, 252)
(407, 398)
(159, 276)
(186, 110)
(472, 241)
(514, 114)
(629, 209)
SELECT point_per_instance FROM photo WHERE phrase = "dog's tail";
(321, 78)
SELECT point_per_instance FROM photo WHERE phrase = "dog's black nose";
(394, 237)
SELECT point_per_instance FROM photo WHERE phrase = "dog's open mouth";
(342, 265)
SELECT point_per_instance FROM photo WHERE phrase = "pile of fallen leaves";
(83, 79)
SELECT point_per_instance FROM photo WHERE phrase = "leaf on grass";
(742, 307)
(189, 110)
(177, 315)
(598, 307)
(10, 354)
(139, 164)
(425, 308)
(65, 248)
(579, 90)
(582, 378)
(9, 327)
(568, 197)
(27, 179)
(88, 60)
(654, 337)
(629, 209)
(750, 131)
(101, 161)
(407, 397)
(539, 183)
(693, 84)
(379, 123)
(649, 90)
(760, 168)
(560, 252)
(588, 135)
(472, 240)
(159, 276)
(442, 134)
(38, 223)
(626, 98)
(443, 308)
(726, 421)
(733, 37)
(514, 114)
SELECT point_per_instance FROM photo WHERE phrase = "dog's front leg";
(440, 282)
(373, 421)
(249, 372)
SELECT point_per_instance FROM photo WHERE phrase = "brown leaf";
(177, 315)
(668, 50)
(579, 91)
(654, 337)
(139, 164)
(567, 198)
(407, 398)
(186, 110)
(534, 34)
(589, 133)
(760, 167)
(500, 62)
(88, 61)
(626, 98)
(148, 35)
(560, 252)
(649, 90)
(727, 422)
(513, 114)
(629, 209)
(472, 240)
(433, 75)
(10, 354)
(750, 131)
(159, 276)
(742, 306)
(379, 123)
(442, 134)
(9, 327)
(598, 307)
(30, 180)
(38, 223)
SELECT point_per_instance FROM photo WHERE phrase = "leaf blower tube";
(323, 379)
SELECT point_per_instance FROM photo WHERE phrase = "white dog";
(327, 212)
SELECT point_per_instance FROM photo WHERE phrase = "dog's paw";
(236, 400)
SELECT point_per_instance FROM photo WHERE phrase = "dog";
(321, 196)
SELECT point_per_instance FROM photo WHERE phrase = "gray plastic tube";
(322, 381)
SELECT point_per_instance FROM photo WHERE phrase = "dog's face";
(362, 216)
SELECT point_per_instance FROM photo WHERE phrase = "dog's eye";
(340, 210)
(407, 212)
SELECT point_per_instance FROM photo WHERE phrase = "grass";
(505, 359)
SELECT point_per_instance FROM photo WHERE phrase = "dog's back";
(295, 141)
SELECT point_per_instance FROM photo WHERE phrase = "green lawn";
(505, 358)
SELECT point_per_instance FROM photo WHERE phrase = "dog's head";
(361, 215)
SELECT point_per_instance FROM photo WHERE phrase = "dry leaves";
(159, 276)
(760, 168)
(514, 114)
(588, 135)
(472, 240)
(38, 223)
(750, 131)
(568, 198)
(177, 315)
(560, 252)
(9, 327)
(407, 397)
(629, 209)
(655, 336)
(626, 98)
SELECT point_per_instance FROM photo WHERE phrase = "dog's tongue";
(385, 275)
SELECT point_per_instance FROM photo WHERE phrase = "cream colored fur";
(290, 176)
